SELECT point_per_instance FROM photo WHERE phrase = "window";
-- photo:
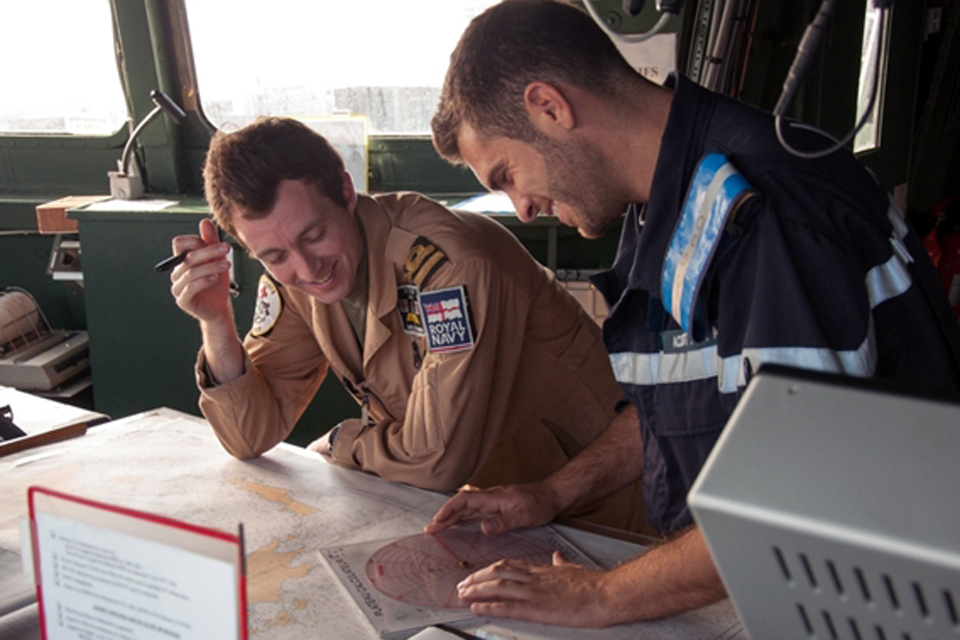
(59, 74)
(384, 59)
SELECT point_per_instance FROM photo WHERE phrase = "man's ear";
(547, 107)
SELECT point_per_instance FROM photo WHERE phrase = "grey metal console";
(832, 511)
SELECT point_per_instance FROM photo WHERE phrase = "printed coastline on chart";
(289, 589)
(292, 505)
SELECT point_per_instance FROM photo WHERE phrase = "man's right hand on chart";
(500, 509)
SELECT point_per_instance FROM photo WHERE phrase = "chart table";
(292, 504)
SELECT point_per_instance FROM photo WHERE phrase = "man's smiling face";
(307, 241)
(545, 178)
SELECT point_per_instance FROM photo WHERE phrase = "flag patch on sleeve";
(447, 319)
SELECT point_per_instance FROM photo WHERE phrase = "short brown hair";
(506, 48)
(244, 169)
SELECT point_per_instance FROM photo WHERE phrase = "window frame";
(154, 41)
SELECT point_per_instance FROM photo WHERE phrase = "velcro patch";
(422, 261)
(447, 319)
(267, 309)
(408, 306)
(679, 341)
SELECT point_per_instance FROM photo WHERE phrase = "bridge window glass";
(59, 74)
(384, 59)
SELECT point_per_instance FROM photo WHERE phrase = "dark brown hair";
(243, 169)
(506, 48)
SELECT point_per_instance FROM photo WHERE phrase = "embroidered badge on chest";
(408, 306)
(267, 309)
(447, 319)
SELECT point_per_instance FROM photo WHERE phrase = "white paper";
(149, 204)
(99, 581)
(34, 414)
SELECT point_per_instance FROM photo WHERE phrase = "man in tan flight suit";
(470, 362)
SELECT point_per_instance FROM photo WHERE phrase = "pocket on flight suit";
(424, 408)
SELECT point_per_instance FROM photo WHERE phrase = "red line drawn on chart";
(425, 569)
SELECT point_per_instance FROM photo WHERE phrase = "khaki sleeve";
(282, 372)
(458, 401)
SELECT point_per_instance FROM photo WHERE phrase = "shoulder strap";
(422, 261)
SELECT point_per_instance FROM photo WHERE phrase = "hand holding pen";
(199, 275)
(168, 264)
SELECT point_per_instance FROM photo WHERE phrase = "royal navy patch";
(267, 309)
(447, 318)
(422, 261)
(408, 306)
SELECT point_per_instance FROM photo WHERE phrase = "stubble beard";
(577, 176)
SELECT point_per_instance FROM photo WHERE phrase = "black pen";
(171, 262)
(460, 633)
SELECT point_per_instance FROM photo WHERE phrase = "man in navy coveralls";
(733, 253)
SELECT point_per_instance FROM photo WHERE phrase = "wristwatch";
(332, 436)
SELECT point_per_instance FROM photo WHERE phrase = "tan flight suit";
(531, 390)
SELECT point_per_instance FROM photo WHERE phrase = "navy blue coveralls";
(809, 265)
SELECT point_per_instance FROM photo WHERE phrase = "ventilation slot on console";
(854, 629)
(864, 589)
(837, 583)
(951, 608)
(856, 604)
(891, 592)
(783, 565)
